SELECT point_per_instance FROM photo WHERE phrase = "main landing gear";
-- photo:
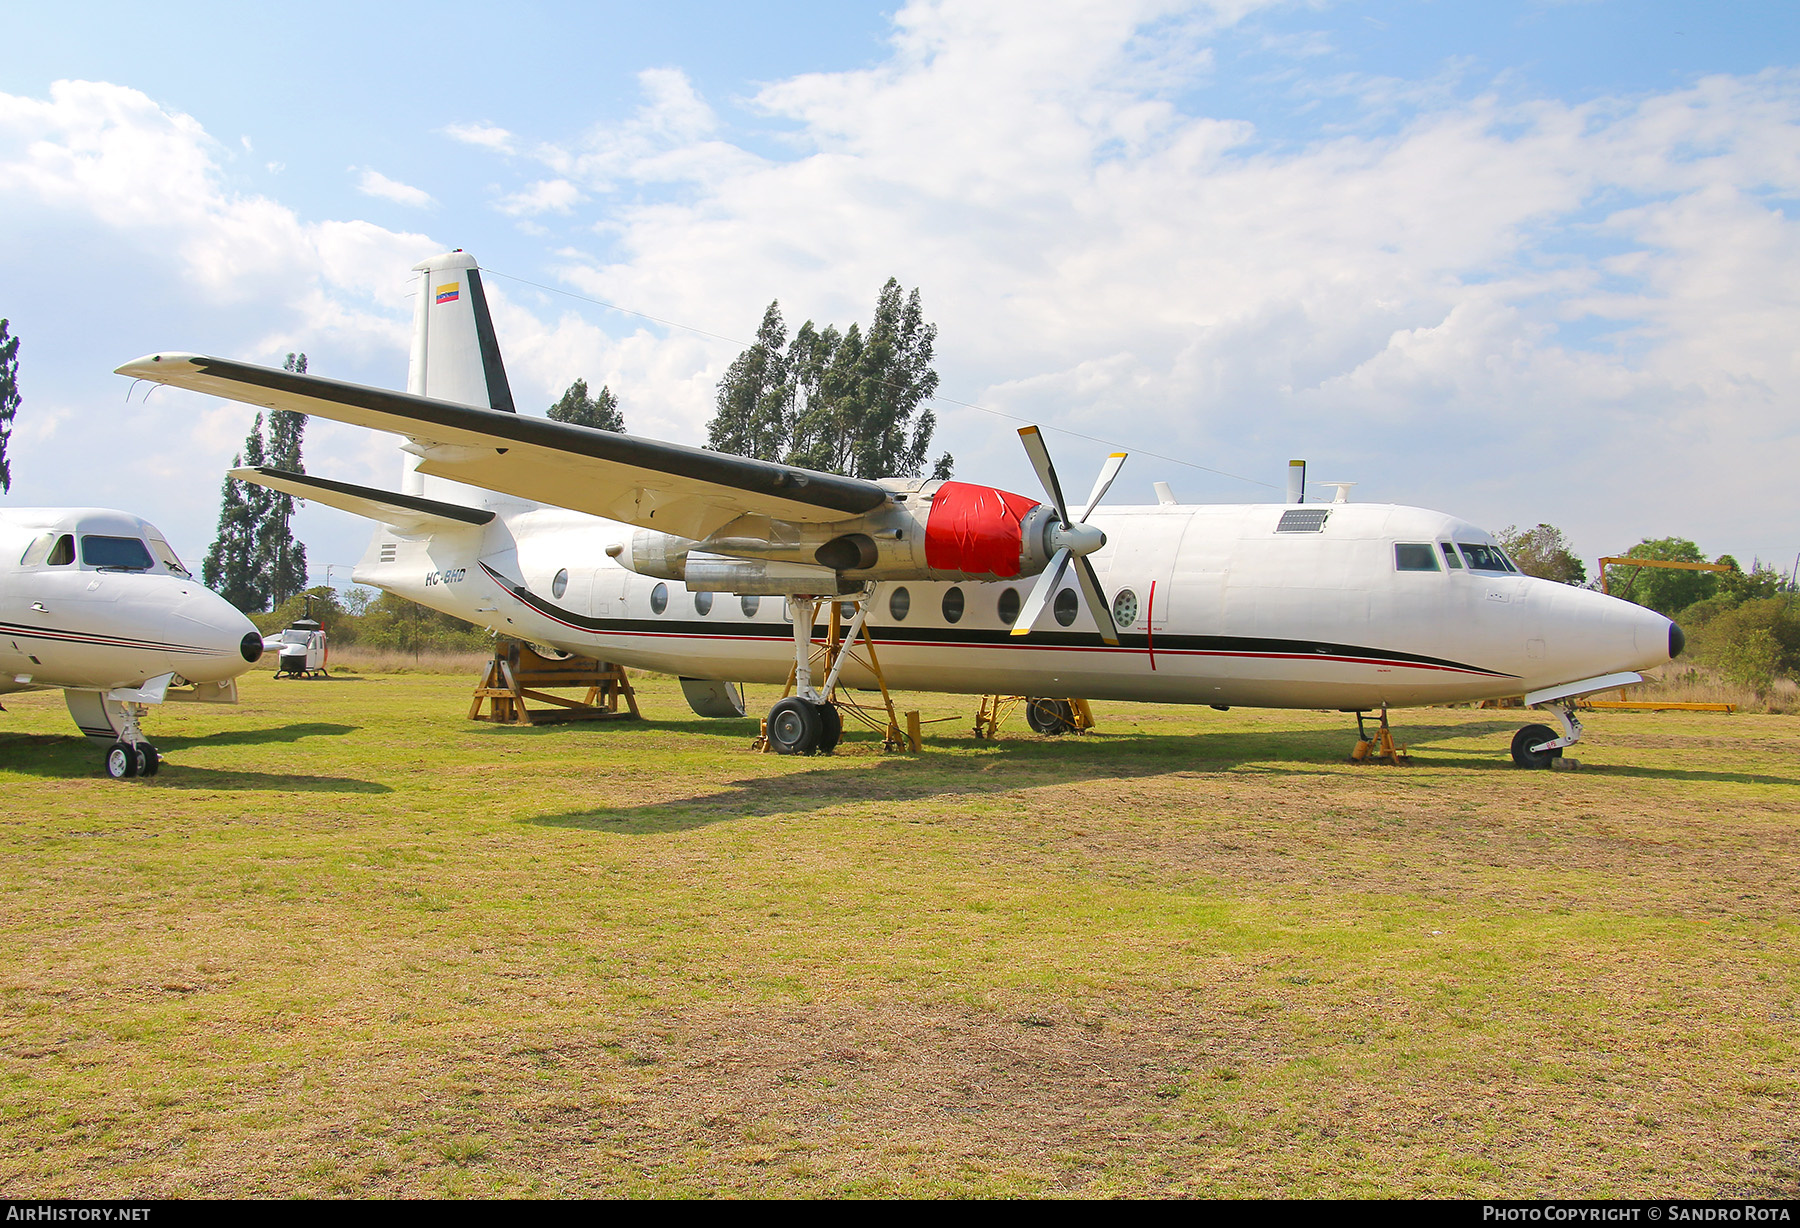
(807, 721)
(131, 755)
(1538, 746)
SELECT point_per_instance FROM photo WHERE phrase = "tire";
(1050, 717)
(831, 722)
(795, 727)
(149, 761)
(1531, 736)
(121, 761)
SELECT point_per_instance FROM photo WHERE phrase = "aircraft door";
(606, 592)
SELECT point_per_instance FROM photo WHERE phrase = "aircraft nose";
(1677, 641)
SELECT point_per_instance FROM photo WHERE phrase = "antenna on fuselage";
(1343, 491)
(1296, 481)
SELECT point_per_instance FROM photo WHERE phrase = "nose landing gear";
(131, 755)
(1538, 746)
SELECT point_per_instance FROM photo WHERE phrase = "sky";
(1522, 262)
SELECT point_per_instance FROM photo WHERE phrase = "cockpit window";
(1414, 556)
(63, 553)
(37, 551)
(168, 557)
(1484, 558)
(126, 553)
(1450, 559)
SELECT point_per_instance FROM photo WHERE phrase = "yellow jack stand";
(1380, 747)
(994, 710)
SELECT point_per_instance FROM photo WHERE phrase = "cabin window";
(560, 584)
(125, 553)
(899, 604)
(1450, 559)
(1066, 605)
(659, 598)
(703, 604)
(1414, 556)
(1484, 558)
(953, 604)
(1125, 609)
(1303, 520)
(63, 552)
(748, 605)
(1009, 606)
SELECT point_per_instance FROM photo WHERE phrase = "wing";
(681, 490)
(407, 513)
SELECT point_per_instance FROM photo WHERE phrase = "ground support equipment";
(518, 673)
(1046, 716)
(1381, 747)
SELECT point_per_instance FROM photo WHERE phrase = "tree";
(255, 562)
(850, 402)
(1543, 552)
(229, 568)
(279, 558)
(601, 412)
(753, 412)
(9, 399)
(1666, 590)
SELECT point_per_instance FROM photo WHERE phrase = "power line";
(998, 413)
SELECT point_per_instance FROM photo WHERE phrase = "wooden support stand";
(518, 673)
(1379, 748)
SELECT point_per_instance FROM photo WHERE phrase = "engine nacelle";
(927, 531)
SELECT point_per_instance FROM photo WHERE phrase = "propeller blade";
(1047, 584)
(1040, 461)
(1108, 472)
(1090, 588)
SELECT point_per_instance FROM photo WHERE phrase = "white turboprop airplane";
(95, 602)
(715, 568)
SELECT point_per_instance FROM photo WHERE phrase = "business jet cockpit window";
(1484, 558)
(1414, 556)
(122, 553)
(169, 558)
(56, 550)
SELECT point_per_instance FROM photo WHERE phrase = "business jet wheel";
(149, 762)
(1050, 717)
(121, 761)
(1528, 737)
(795, 726)
(831, 722)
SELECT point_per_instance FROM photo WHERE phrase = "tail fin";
(455, 357)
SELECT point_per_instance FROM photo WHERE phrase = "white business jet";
(95, 602)
(715, 568)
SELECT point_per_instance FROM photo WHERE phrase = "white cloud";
(374, 183)
(484, 136)
(545, 196)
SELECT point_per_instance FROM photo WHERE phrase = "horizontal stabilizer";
(406, 513)
(689, 492)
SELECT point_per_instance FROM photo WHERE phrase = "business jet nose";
(232, 642)
(1677, 641)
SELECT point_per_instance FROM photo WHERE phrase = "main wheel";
(1530, 736)
(795, 726)
(121, 761)
(149, 762)
(831, 722)
(1050, 717)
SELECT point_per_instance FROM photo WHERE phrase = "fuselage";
(94, 599)
(1355, 606)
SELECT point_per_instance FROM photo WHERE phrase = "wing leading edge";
(681, 490)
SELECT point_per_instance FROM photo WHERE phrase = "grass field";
(352, 943)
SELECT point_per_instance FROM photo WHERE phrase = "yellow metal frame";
(1381, 747)
(995, 709)
(1627, 561)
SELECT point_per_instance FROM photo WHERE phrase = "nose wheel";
(131, 755)
(1538, 746)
